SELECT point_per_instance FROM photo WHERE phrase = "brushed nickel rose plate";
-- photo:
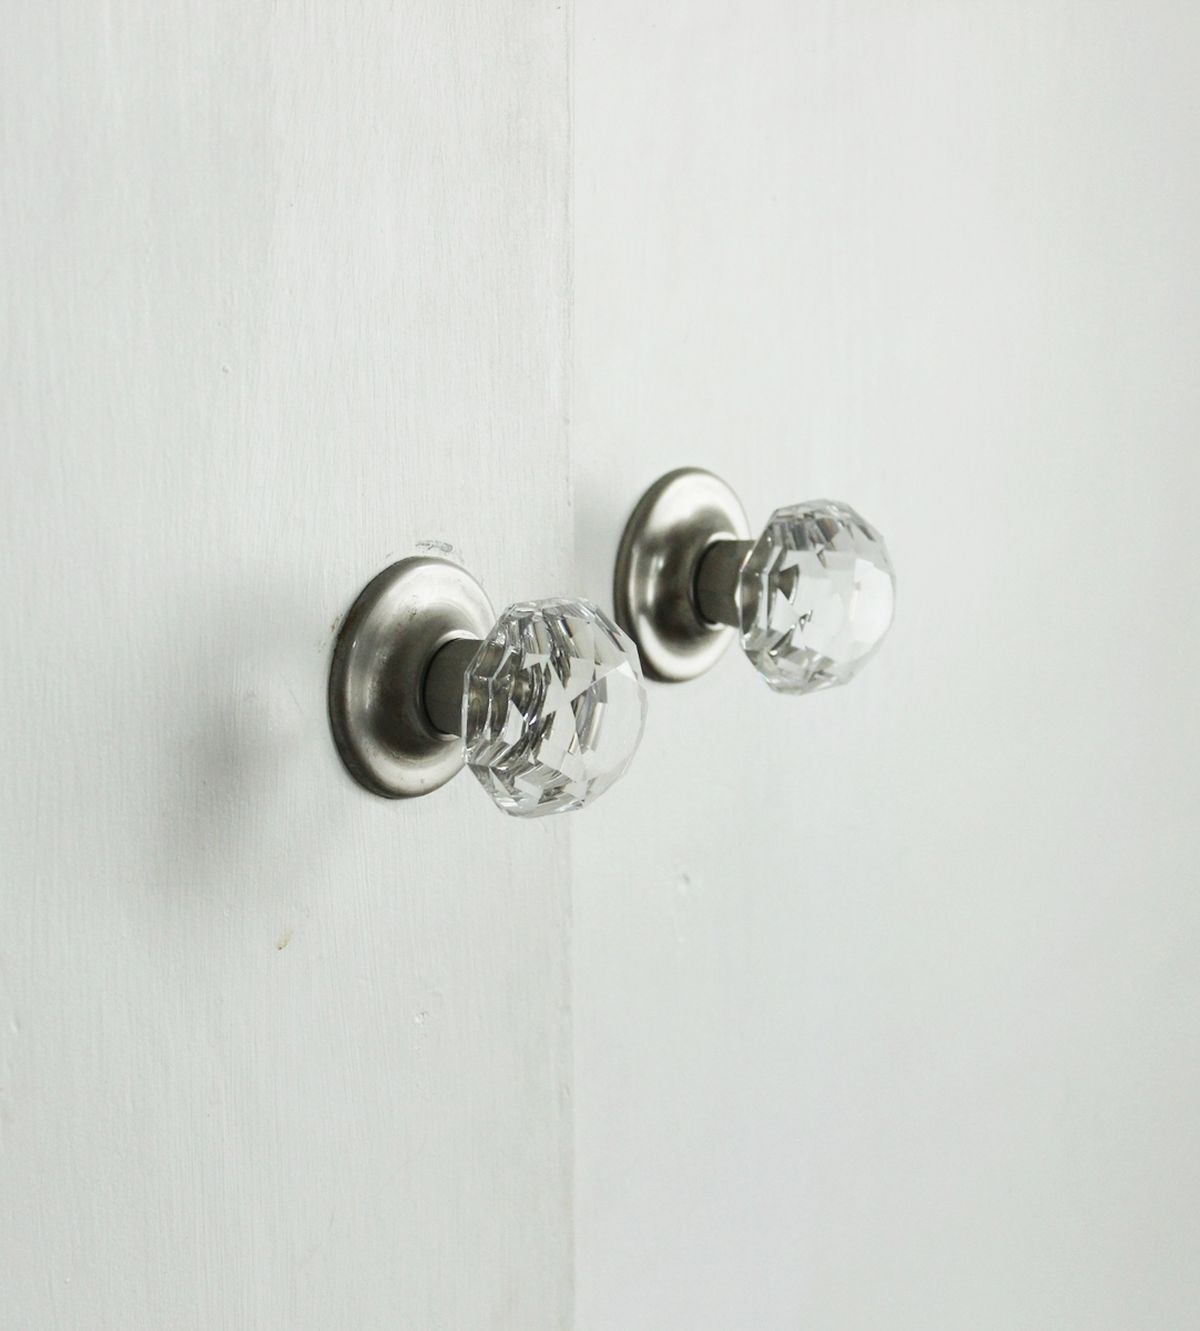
(654, 590)
(398, 624)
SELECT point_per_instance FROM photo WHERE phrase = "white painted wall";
(887, 1000)
(285, 293)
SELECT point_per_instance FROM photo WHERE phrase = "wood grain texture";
(285, 296)
(886, 1000)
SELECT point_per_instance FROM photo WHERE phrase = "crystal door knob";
(810, 600)
(545, 704)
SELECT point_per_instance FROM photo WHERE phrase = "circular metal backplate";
(384, 647)
(680, 515)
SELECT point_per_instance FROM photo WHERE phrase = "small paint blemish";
(680, 907)
(224, 368)
(436, 547)
(284, 939)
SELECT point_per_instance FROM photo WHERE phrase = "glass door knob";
(810, 600)
(545, 704)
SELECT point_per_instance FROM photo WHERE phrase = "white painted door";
(875, 1010)
(886, 1001)
(285, 294)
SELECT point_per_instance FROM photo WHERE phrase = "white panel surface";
(285, 294)
(887, 1000)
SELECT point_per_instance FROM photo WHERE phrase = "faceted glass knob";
(553, 707)
(814, 597)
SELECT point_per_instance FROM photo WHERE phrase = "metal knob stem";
(716, 580)
(445, 682)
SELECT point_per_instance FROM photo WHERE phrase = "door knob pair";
(546, 703)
